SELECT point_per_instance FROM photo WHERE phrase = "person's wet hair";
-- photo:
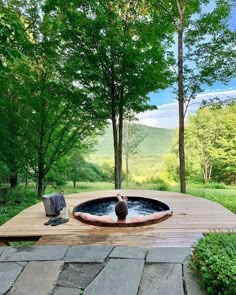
(121, 210)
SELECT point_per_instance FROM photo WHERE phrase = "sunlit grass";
(141, 167)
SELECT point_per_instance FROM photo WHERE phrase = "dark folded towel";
(58, 203)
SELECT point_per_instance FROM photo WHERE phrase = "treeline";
(67, 67)
(210, 146)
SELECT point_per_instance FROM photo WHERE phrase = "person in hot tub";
(121, 210)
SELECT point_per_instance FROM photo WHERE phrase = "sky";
(167, 114)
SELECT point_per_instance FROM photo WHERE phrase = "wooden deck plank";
(192, 217)
(181, 240)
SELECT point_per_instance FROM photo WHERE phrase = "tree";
(51, 124)
(209, 57)
(13, 39)
(132, 137)
(224, 150)
(210, 141)
(12, 34)
(115, 53)
(201, 136)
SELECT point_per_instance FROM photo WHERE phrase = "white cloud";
(167, 114)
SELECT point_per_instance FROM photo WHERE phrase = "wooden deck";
(192, 217)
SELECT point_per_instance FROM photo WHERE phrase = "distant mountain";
(156, 141)
(148, 162)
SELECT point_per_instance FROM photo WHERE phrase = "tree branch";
(170, 15)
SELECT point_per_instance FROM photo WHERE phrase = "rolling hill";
(147, 163)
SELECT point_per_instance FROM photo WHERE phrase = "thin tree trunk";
(181, 105)
(126, 149)
(13, 180)
(26, 182)
(115, 145)
(120, 146)
(40, 185)
(41, 150)
(127, 171)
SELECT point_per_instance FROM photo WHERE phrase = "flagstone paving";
(98, 270)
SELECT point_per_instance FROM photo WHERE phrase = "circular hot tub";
(136, 206)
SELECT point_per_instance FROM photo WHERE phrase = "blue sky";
(167, 95)
(167, 114)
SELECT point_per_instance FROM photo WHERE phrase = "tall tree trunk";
(41, 151)
(127, 171)
(126, 150)
(181, 102)
(116, 158)
(13, 180)
(117, 142)
(41, 175)
(13, 147)
(120, 136)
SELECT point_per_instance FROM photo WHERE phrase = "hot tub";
(136, 206)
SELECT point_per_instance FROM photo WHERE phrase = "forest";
(69, 69)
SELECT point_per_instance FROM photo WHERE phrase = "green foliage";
(89, 172)
(12, 34)
(210, 143)
(114, 55)
(14, 201)
(159, 184)
(44, 116)
(79, 170)
(214, 258)
(108, 172)
(55, 179)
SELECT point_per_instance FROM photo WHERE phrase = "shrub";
(215, 185)
(214, 258)
(159, 184)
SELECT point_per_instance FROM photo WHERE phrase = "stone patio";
(96, 269)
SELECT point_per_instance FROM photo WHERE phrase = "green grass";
(141, 167)
(225, 197)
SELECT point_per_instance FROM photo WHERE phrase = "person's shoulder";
(105, 219)
(136, 219)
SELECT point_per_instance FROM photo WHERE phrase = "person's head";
(121, 210)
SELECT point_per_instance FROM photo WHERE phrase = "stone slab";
(162, 279)
(128, 252)
(22, 263)
(167, 255)
(191, 283)
(1, 250)
(119, 277)
(79, 275)
(29, 253)
(38, 277)
(9, 271)
(66, 291)
(88, 253)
